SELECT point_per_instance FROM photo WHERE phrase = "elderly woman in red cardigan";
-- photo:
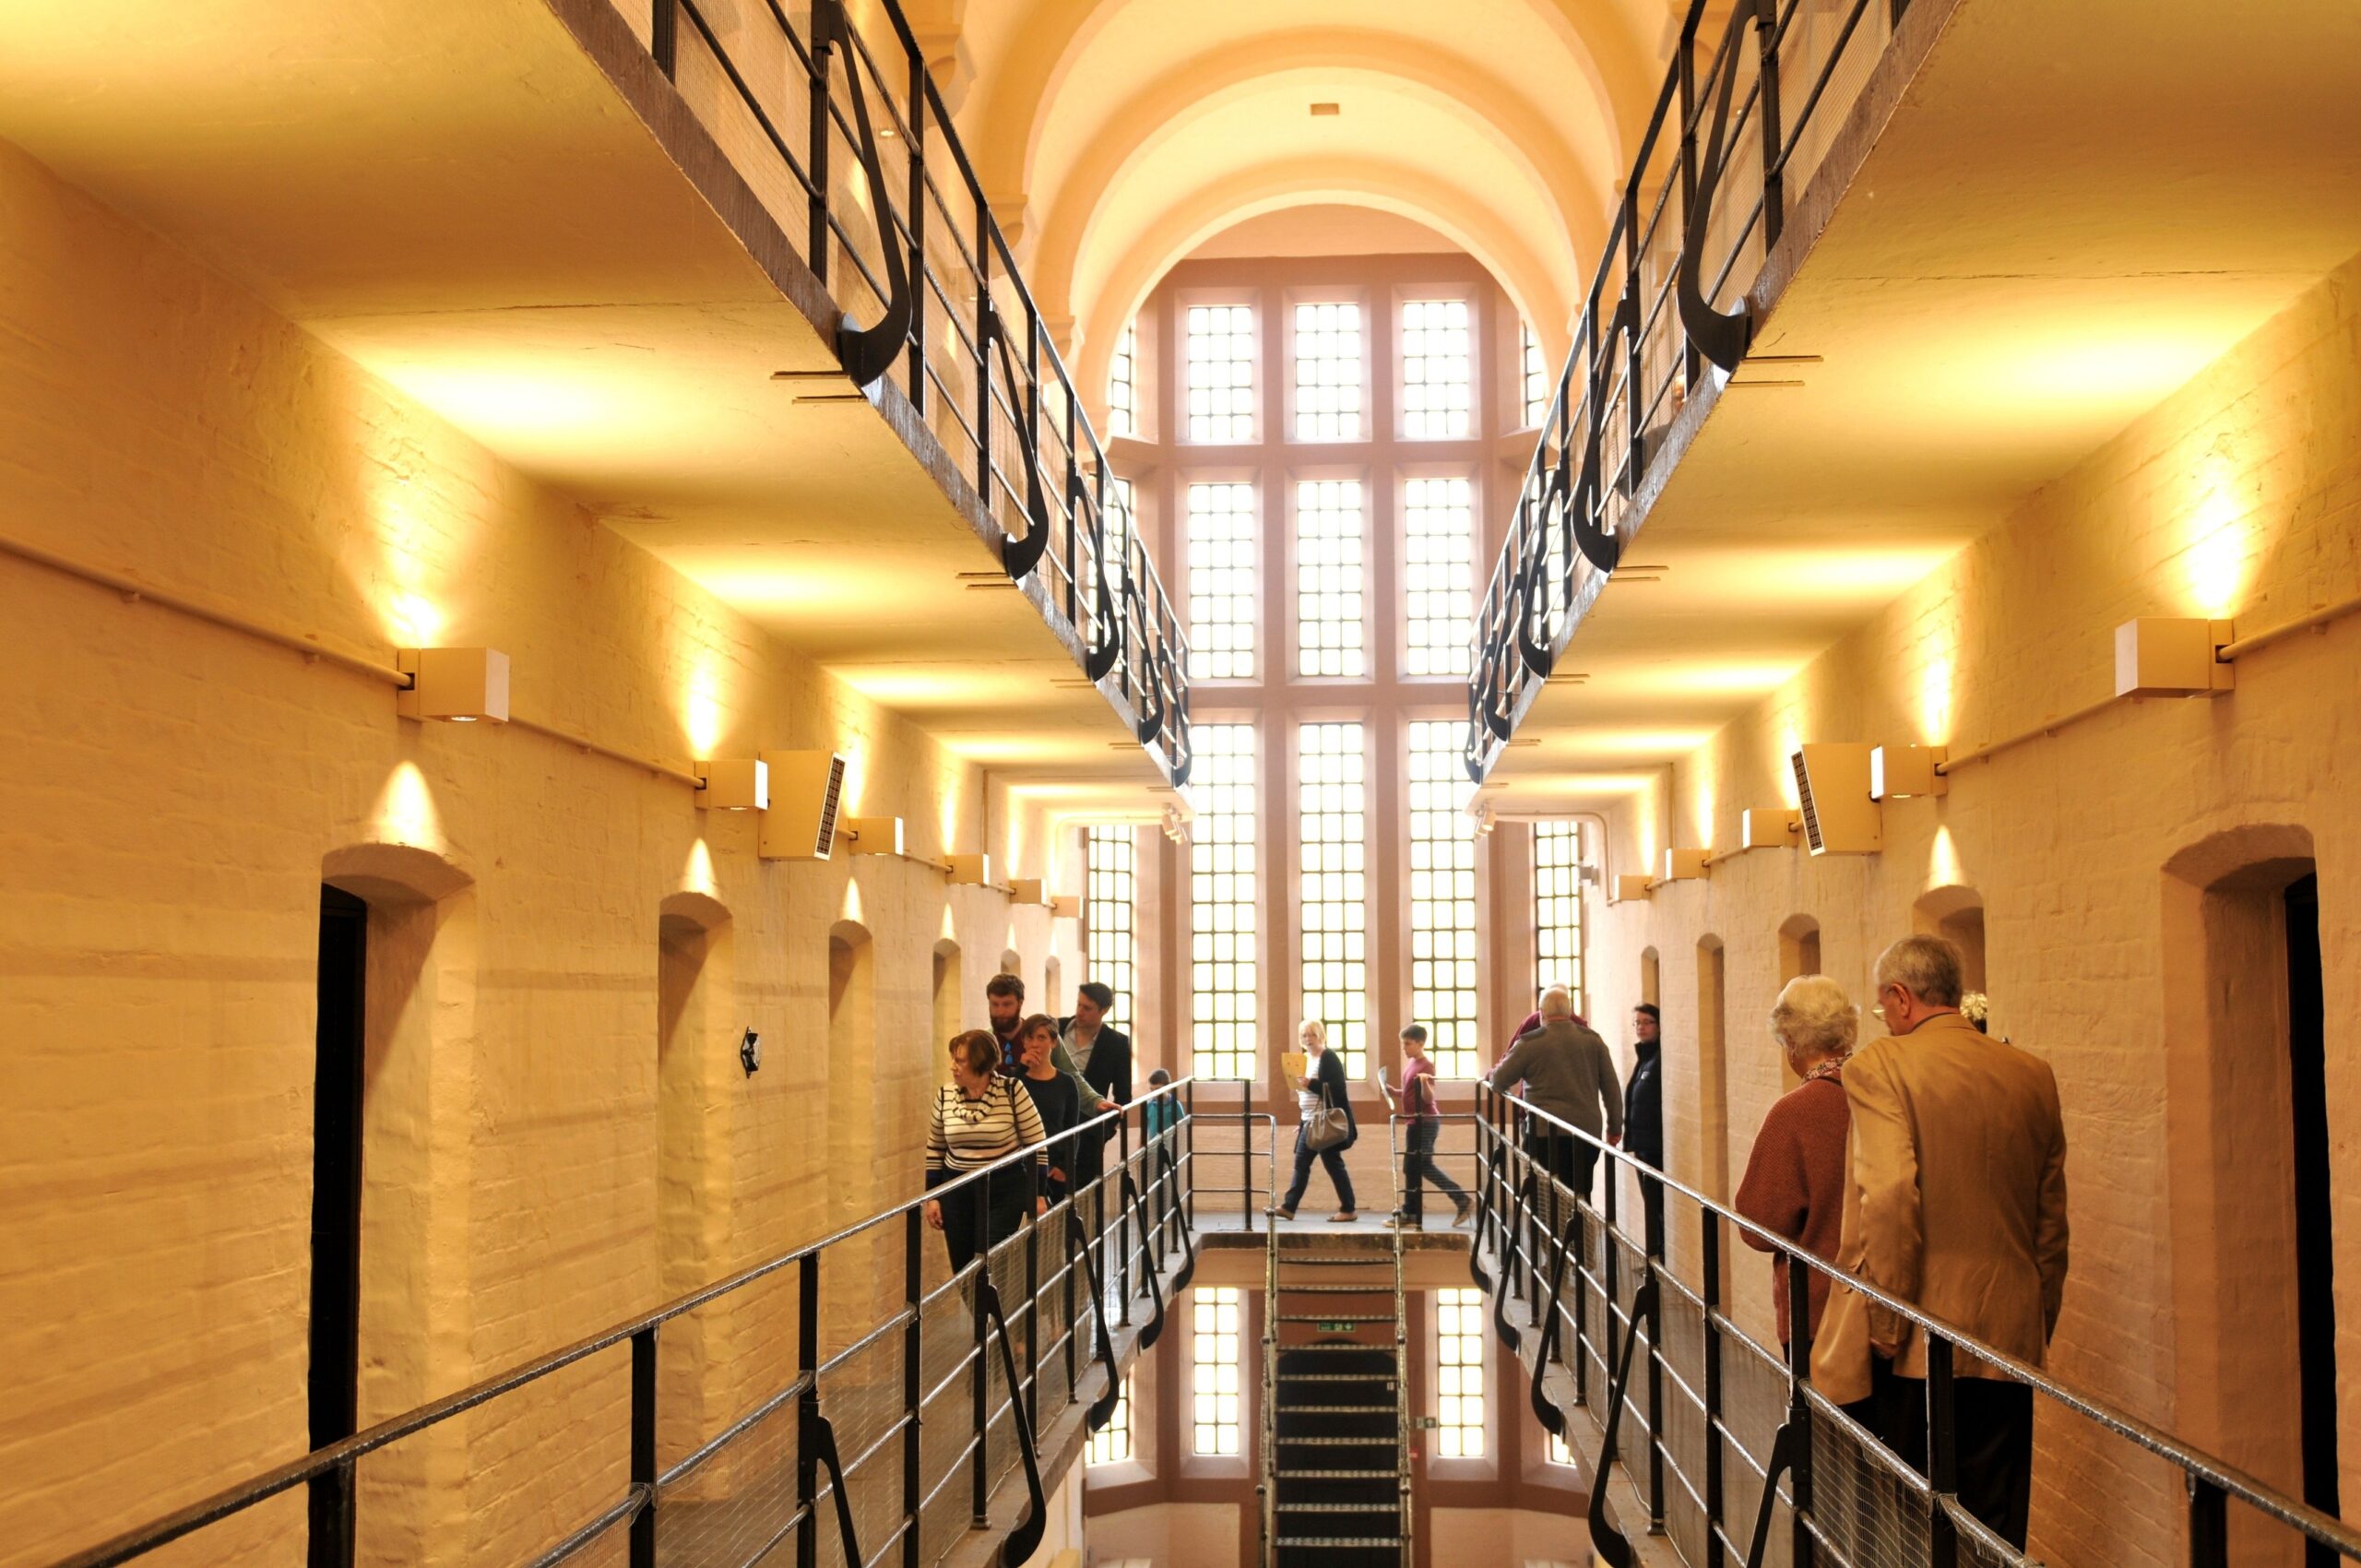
(1794, 1178)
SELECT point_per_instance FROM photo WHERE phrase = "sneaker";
(1466, 1213)
(1343, 1216)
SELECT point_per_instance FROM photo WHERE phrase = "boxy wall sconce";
(807, 791)
(1899, 772)
(1768, 827)
(734, 784)
(971, 871)
(1065, 907)
(2166, 657)
(1028, 890)
(457, 685)
(875, 835)
(1628, 887)
(1684, 865)
(1833, 782)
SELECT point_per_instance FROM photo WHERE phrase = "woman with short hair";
(1795, 1177)
(977, 1117)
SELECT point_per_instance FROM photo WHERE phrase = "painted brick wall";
(2239, 493)
(175, 794)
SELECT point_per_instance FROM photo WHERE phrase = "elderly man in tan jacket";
(1954, 1201)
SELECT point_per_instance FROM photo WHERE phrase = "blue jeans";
(1419, 1161)
(1332, 1161)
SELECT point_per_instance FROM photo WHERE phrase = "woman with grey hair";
(1795, 1177)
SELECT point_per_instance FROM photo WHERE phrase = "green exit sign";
(1335, 1327)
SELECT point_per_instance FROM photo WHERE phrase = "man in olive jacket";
(1568, 1072)
(1954, 1201)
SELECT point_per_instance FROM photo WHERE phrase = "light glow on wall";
(697, 876)
(701, 711)
(2215, 560)
(406, 812)
(1935, 700)
(1944, 868)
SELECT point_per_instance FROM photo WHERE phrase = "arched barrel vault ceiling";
(1394, 96)
(1460, 210)
(1597, 57)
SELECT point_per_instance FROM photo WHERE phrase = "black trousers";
(1003, 1214)
(1332, 1161)
(1991, 1434)
(1418, 1163)
(1569, 1160)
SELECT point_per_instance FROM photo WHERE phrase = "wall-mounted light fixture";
(971, 871)
(734, 784)
(1833, 782)
(1629, 887)
(807, 791)
(2167, 656)
(457, 685)
(1028, 890)
(1065, 907)
(1768, 827)
(1899, 772)
(1684, 865)
(875, 835)
(749, 1051)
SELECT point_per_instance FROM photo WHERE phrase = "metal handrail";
(1649, 333)
(2212, 1482)
(1000, 351)
(336, 1463)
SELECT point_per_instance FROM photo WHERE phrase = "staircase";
(1335, 1452)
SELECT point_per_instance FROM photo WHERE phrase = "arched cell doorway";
(2251, 1182)
(697, 1068)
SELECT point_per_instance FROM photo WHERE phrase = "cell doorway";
(337, 1076)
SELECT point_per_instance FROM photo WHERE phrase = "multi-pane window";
(1111, 1445)
(1221, 372)
(1222, 548)
(1110, 889)
(1437, 576)
(1459, 1374)
(1333, 763)
(1443, 896)
(1537, 378)
(1223, 949)
(1122, 383)
(1328, 372)
(1214, 1397)
(1558, 909)
(1329, 545)
(1437, 370)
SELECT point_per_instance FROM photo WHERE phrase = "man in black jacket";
(1099, 1058)
(1644, 1113)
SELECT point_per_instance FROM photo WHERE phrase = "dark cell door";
(336, 1213)
(2315, 1279)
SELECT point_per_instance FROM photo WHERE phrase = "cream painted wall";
(173, 795)
(2239, 493)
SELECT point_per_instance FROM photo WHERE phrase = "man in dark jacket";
(1643, 1114)
(1099, 1057)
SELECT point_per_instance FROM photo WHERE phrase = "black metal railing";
(1737, 1456)
(863, 165)
(1733, 132)
(857, 1425)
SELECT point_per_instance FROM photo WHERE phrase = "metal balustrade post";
(806, 1412)
(1692, 360)
(913, 1383)
(979, 1371)
(1246, 1155)
(1774, 179)
(1802, 1548)
(664, 37)
(1710, 1254)
(917, 204)
(1032, 1302)
(1652, 1241)
(1636, 391)
(1188, 1155)
(986, 319)
(816, 155)
(643, 1447)
(1942, 1453)
(1610, 1280)
(1065, 1296)
(1123, 1226)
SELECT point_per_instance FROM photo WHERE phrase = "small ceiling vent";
(807, 791)
(1833, 786)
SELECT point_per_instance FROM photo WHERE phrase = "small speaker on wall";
(1833, 783)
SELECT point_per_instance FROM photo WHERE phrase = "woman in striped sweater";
(978, 1118)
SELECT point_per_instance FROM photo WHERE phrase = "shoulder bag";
(1330, 1127)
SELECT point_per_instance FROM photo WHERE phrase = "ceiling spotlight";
(457, 685)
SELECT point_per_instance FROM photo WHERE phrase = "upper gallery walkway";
(1882, 269)
(718, 269)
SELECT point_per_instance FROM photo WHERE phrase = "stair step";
(1288, 1475)
(1335, 1507)
(1378, 1290)
(1335, 1317)
(1339, 1543)
(1358, 1349)
(1333, 1410)
(1348, 1260)
(1339, 1442)
(1384, 1378)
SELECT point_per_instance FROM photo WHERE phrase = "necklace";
(1827, 1069)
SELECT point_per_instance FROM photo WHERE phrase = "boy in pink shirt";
(1418, 1157)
